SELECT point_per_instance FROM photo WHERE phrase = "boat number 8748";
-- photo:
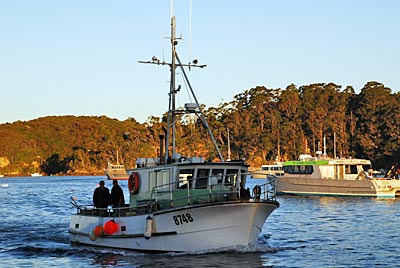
(183, 218)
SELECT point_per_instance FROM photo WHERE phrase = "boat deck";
(179, 198)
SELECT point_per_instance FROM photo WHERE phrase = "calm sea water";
(303, 232)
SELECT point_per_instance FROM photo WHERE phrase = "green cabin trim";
(306, 163)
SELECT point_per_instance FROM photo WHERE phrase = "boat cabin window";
(159, 178)
(351, 169)
(231, 177)
(205, 178)
(202, 178)
(216, 176)
(185, 178)
(306, 169)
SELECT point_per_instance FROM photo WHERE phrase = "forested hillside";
(69, 144)
(263, 124)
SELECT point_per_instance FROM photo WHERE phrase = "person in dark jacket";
(117, 195)
(101, 196)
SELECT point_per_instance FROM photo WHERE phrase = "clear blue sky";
(81, 57)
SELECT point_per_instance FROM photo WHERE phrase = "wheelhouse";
(213, 175)
(337, 169)
(190, 181)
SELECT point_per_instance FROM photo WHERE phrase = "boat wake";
(58, 245)
(56, 249)
(61, 250)
(241, 256)
(37, 251)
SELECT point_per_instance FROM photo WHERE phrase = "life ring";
(133, 183)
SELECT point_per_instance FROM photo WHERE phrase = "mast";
(173, 90)
(229, 147)
(334, 145)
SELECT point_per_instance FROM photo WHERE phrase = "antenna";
(162, 45)
(172, 111)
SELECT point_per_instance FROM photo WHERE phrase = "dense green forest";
(263, 124)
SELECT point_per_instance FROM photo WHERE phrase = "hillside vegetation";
(263, 124)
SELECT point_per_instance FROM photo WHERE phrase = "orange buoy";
(110, 227)
(98, 230)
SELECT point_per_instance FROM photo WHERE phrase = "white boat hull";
(305, 186)
(116, 173)
(197, 228)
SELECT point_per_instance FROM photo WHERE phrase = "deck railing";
(167, 196)
(163, 199)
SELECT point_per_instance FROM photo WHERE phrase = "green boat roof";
(353, 161)
(306, 162)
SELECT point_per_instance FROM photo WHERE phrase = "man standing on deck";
(101, 196)
(117, 195)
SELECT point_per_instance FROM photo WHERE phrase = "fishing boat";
(321, 175)
(268, 170)
(179, 203)
(116, 171)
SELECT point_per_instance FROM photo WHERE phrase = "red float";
(110, 227)
(98, 230)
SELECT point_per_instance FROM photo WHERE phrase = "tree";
(373, 110)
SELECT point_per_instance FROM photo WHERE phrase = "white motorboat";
(116, 171)
(267, 170)
(335, 177)
(179, 203)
